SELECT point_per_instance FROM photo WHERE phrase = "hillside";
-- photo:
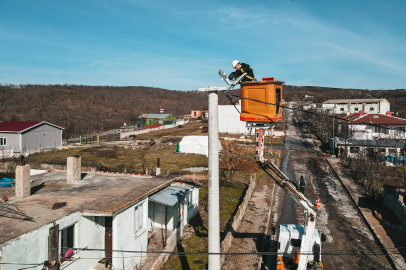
(87, 109)
(84, 109)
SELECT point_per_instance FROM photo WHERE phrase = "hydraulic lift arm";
(290, 188)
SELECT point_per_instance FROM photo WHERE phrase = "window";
(3, 141)
(296, 242)
(138, 218)
(67, 237)
(375, 116)
(380, 130)
(195, 113)
(341, 109)
(354, 149)
(401, 128)
(356, 109)
(371, 109)
(190, 198)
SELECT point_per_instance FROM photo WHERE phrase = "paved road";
(338, 217)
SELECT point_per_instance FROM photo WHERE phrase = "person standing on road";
(302, 184)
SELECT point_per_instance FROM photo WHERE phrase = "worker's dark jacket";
(302, 182)
(244, 68)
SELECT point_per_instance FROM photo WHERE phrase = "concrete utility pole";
(214, 205)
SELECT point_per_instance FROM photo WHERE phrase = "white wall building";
(229, 119)
(102, 213)
(345, 106)
(364, 129)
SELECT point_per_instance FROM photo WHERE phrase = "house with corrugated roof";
(155, 118)
(22, 137)
(86, 220)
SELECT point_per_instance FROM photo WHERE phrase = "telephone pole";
(213, 192)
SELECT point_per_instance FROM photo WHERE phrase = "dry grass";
(191, 128)
(113, 158)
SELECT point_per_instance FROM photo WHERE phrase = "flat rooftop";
(95, 195)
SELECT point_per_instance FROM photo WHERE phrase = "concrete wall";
(229, 120)
(192, 208)
(142, 131)
(396, 206)
(125, 237)
(226, 243)
(384, 106)
(33, 247)
(41, 137)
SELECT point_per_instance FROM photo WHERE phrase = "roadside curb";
(376, 236)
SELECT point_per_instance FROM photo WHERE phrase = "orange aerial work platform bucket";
(268, 90)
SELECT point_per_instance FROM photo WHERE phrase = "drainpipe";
(166, 225)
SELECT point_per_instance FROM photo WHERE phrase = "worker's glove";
(231, 77)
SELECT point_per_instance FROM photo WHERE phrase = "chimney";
(361, 113)
(389, 113)
(161, 110)
(74, 169)
(23, 187)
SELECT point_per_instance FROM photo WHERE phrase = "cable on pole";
(311, 112)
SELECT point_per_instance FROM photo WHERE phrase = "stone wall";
(226, 243)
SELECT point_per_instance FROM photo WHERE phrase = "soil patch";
(246, 165)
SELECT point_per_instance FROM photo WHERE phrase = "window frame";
(3, 141)
(138, 218)
(61, 233)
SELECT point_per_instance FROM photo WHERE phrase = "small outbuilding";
(22, 137)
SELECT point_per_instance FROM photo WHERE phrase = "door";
(159, 215)
(108, 237)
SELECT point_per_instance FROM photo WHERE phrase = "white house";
(98, 216)
(366, 131)
(308, 106)
(347, 106)
(369, 149)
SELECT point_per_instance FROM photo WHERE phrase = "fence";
(393, 203)
(142, 131)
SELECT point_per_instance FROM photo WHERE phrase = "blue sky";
(180, 45)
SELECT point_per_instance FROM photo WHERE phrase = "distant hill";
(82, 109)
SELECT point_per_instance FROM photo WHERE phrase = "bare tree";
(231, 154)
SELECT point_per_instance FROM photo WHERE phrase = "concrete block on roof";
(74, 169)
(23, 187)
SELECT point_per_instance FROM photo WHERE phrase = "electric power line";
(310, 112)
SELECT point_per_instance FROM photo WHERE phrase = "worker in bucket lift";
(241, 68)
(302, 184)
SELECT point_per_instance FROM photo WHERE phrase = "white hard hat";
(235, 62)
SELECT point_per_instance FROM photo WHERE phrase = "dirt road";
(338, 218)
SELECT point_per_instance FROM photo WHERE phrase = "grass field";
(191, 128)
(114, 158)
